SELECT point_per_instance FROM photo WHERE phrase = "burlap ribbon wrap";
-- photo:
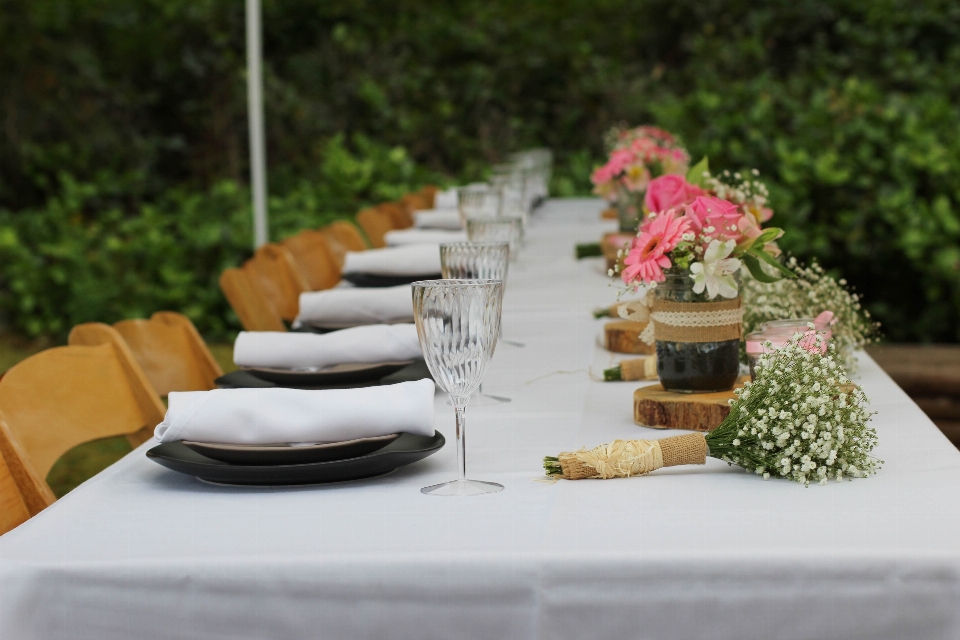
(714, 321)
(626, 458)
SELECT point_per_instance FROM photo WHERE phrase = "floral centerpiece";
(637, 156)
(708, 225)
(701, 230)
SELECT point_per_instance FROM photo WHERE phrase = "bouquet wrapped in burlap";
(800, 419)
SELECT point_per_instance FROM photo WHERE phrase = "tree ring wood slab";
(660, 409)
(623, 336)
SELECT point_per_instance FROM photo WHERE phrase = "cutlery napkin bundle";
(412, 260)
(296, 416)
(438, 219)
(348, 306)
(357, 345)
(403, 237)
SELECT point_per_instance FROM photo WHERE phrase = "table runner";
(687, 552)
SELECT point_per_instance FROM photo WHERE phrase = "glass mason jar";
(695, 366)
(629, 206)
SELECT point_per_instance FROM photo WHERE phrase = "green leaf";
(773, 262)
(768, 235)
(695, 174)
(753, 265)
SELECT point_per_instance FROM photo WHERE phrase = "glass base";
(462, 488)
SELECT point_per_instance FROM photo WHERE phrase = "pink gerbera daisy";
(647, 257)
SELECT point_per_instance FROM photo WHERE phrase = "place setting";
(315, 407)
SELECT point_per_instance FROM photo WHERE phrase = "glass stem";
(461, 407)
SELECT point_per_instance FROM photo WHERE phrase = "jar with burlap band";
(698, 340)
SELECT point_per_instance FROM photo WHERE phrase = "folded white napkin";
(446, 199)
(438, 219)
(352, 306)
(402, 237)
(296, 416)
(357, 345)
(412, 260)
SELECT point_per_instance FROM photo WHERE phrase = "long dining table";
(704, 551)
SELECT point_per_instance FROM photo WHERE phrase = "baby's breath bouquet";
(800, 419)
(806, 296)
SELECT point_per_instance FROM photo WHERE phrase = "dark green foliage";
(83, 257)
(122, 129)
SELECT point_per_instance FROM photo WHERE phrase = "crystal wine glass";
(478, 200)
(499, 229)
(476, 261)
(458, 322)
(496, 229)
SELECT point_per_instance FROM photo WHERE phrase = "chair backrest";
(22, 492)
(167, 347)
(311, 256)
(429, 193)
(399, 213)
(65, 396)
(375, 224)
(347, 234)
(416, 202)
(273, 272)
(343, 236)
(249, 302)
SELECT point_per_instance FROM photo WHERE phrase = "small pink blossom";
(647, 257)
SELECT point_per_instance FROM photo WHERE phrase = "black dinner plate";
(337, 375)
(242, 379)
(376, 280)
(406, 449)
(272, 454)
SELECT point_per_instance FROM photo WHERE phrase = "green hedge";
(125, 116)
(64, 266)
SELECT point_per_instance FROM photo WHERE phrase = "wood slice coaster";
(623, 336)
(611, 243)
(654, 407)
(609, 214)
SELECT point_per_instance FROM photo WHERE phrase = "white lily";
(715, 272)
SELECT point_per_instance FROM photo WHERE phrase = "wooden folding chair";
(375, 224)
(416, 202)
(249, 302)
(312, 258)
(347, 234)
(65, 396)
(23, 493)
(402, 217)
(429, 194)
(273, 272)
(167, 347)
(343, 236)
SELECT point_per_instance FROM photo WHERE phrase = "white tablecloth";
(688, 552)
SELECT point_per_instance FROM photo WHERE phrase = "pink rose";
(669, 191)
(723, 216)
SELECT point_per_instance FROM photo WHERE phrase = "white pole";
(258, 154)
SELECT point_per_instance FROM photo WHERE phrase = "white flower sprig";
(800, 419)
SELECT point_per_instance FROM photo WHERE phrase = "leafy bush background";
(123, 129)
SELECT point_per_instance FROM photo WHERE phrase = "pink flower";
(619, 160)
(722, 216)
(647, 257)
(669, 191)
